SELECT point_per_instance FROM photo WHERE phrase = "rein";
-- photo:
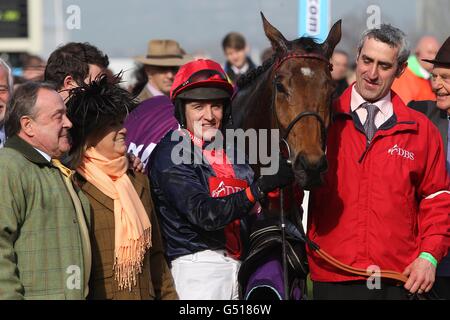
(283, 139)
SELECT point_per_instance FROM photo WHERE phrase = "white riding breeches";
(206, 275)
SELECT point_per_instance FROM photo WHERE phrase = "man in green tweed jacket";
(44, 243)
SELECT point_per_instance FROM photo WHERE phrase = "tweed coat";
(40, 242)
(155, 281)
(144, 94)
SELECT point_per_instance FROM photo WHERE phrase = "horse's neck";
(252, 109)
(252, 105)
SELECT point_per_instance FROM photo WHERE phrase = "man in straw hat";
(153, 118)
(161, 63)
(439, 113)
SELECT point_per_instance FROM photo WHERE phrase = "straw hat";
(165, 53)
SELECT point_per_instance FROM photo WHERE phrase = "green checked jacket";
(40, 242)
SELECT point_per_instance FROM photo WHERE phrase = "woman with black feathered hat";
(128, 260)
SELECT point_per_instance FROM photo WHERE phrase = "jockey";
(204, 199)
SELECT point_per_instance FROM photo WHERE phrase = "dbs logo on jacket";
(223, 189)
(397, 151)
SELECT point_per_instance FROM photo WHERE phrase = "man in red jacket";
(387, 202)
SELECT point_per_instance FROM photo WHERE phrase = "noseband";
(302, 114)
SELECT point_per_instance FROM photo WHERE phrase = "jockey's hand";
(421, 275)
(267, 183)
(135, 163)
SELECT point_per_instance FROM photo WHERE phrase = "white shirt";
(155, 92)
(46, 156)
(2, 136)
(242, 70)
(384, 104)
(424, 72)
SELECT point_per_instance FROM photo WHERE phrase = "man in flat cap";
(439, 113)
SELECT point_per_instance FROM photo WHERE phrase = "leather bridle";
(304, 114)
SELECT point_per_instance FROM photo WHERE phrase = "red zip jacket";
(381, 204)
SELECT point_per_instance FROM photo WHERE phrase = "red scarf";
(223, 184)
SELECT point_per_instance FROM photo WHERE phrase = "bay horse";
(291, 92)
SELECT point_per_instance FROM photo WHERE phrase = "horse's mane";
(308, 44)
(248, 77)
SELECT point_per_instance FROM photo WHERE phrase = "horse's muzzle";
(308, 174)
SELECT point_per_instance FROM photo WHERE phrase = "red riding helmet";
(201, 74)
(201, 80)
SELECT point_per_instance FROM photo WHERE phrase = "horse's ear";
(333, 39)
(278, 41)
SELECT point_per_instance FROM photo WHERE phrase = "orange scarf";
(132, 225)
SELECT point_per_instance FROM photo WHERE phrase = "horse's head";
(302, 92)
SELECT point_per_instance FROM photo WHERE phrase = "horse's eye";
(280, 87)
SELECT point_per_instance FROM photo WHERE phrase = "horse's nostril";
(323, 164)
(302, 163)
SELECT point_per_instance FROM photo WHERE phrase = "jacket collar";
(403, 118)
(95, 193)
(27, 150)
(443, 114)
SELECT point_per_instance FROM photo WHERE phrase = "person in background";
(6, 90)
(127, 255)
(153, 118)
(73, 64)
(414, 83)
(426, 49)
(439, 113)
(339, 60)
(351, 75)
(33, 68)
(237, 62)
(161, 63)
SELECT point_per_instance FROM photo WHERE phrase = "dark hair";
(22, 104)
(141, 80)
(92, 108)
(233, 40)
(73, 59)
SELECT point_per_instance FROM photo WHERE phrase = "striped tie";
(369, 126)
